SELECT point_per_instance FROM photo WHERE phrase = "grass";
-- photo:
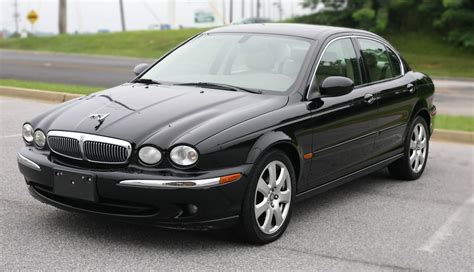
(461, 123)
(143, 44)
(430, 54)
(55, 87)
(425, 52)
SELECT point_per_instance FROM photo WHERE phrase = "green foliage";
(454, 19)
(457, 20)
(334, 18)
(381, 21)
(364, 17)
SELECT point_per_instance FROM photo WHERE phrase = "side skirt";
(339, 181)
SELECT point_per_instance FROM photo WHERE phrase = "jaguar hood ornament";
(99, 117)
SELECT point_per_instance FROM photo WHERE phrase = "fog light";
(149, 155)
(192, 209)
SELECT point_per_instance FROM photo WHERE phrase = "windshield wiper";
(147, 81)
(219, 86)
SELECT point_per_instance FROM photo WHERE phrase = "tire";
(274, 203)
(415, 154)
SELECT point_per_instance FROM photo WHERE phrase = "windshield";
(252, 61)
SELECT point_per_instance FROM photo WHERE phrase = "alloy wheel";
(418, 149)
(273, 197)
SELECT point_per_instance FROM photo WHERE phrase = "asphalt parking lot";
(374, 223)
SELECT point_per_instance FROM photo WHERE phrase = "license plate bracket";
(78, 185)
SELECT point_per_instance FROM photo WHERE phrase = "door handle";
(369, 98)
(410, 88)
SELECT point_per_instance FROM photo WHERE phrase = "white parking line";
(446, 229)
(11, 136)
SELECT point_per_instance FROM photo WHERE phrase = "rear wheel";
(413, 162)
(268, 203)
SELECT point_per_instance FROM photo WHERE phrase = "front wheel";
(269, 199)
(413, 162)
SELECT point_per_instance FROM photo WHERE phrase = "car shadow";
(109, 231)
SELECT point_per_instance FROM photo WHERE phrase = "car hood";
(161, 115)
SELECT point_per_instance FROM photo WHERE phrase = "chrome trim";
(402, 68)
(345, 142)
(84, 137)
(392, 127)
(198, 183)
(27, 162)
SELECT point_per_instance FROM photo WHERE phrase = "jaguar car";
(232, 127)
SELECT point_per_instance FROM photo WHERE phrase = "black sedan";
(232, 127)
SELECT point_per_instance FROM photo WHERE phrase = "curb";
(453, 136)
(438, 135)
(37, 94)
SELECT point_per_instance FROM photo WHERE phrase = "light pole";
(62, 17)
(231, 11)
(122, 15)
(223, 12)
(258, 8)
(16, 16)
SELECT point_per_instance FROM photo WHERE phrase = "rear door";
(343, 127)
(393, 90)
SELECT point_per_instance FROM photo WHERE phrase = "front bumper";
(161, 198)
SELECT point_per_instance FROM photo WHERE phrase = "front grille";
(65, 146)
(92, 148)
(100, 152)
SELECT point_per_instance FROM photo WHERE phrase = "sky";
(94, 15)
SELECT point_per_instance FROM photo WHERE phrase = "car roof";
(315, 32)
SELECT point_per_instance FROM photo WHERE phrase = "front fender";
(267, 141)
(282, 141)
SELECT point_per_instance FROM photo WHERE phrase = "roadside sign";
(32, 16)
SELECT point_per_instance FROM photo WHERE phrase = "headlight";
(40, 139)
(27, 132)
(184, 155)
(149, 155)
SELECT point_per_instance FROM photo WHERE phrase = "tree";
(457, 20)
(453, 18)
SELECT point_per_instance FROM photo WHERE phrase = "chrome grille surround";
(88, 147)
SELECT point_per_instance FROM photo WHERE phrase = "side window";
(395, 62)
(376, 60)
(339, 59)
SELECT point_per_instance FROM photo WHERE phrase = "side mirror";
(140, 68)
(336, 86)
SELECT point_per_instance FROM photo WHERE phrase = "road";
(452, 97)
(66, 68)
(372, 224)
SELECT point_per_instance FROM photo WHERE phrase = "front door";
(343, 127)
